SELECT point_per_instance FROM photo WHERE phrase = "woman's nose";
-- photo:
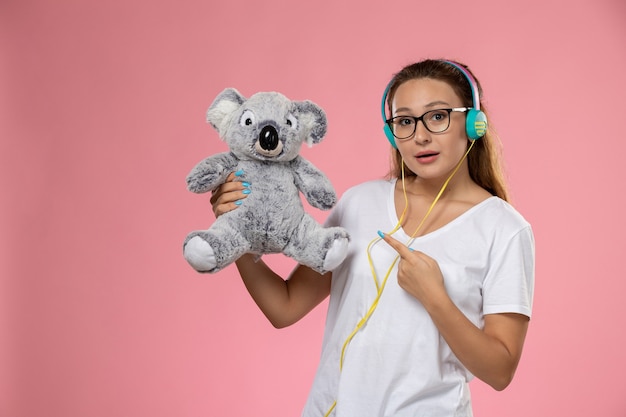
(422, 135)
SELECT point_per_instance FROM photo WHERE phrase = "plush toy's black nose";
(268, 138)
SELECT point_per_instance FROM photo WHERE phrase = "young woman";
(444, 294)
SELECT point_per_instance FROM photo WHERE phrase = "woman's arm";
(283, 302)
(492, 353)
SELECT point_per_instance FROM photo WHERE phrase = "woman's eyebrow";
(429, 105)
(437, 103)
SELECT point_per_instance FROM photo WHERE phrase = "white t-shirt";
(398, 364)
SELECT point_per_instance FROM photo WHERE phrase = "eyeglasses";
(435, 121)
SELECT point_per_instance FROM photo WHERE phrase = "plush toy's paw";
(199, 254)
(336, 254)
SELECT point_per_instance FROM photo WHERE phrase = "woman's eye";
(406, 121)
(438, 116)
(247, 118)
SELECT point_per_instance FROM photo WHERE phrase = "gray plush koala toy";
(264, 134)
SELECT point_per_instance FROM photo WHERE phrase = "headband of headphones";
(475, 120)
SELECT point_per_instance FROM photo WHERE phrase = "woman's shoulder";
(501, 213)
(371, 188)
(361, 199)
(366, 195)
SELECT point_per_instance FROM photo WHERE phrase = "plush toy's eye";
(247, 118)
(292, 121)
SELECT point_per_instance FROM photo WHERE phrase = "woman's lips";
(426, 157)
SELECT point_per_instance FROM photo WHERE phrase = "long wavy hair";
(484, 160)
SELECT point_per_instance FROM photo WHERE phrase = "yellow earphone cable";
(395, 229)
(381, 286)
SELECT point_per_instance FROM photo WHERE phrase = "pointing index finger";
(395, 244)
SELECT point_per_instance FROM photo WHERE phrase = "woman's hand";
(418, 273)
(229, 195)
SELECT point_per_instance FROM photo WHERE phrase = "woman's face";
(430, 155)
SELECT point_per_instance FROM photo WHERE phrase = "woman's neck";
(460, 185)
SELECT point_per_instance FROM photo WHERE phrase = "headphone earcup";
(475, 124)
(389, 135)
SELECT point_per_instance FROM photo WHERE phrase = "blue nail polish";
(246, 191)
(412, 250)
(381, 234)
(246, 184)
(238, 202)
(239, 173)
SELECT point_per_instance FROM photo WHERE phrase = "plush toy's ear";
(313, 121)
(227, 102)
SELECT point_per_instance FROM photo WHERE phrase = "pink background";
(102, 116)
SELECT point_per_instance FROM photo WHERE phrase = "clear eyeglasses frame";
(435, 121)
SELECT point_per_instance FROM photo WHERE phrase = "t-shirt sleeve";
(509, 285)
(334, 218)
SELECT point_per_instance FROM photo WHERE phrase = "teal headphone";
(475, 120)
